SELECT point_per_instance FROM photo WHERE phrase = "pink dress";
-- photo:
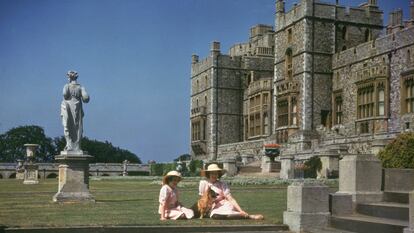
(173, 209)
(221, 205)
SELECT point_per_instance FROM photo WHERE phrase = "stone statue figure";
(72, 113)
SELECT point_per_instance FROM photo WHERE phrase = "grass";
(124, 202)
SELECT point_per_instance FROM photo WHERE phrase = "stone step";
(250, 169)
(400, 197)
(389, 210)
(367, 224)
(155, 229)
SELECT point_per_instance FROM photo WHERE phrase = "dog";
(204, 204)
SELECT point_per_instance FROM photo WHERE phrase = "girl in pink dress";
(170, 207)
(225, 206)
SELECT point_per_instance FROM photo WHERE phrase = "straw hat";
(171, 173)
(213, 168)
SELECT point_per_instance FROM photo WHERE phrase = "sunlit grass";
(123, 202)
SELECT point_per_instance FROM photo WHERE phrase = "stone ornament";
(72, 112)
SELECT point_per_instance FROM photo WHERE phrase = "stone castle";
(327, 79)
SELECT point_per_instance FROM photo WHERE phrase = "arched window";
(288, 64)
(196, 103)
(205, 100)
(205, 82)
(408, 57)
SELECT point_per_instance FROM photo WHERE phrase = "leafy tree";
(103, 152)
(399, 153)
(12, 144)
(183, 157)
(312, 166)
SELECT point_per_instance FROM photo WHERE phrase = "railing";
(264, 51)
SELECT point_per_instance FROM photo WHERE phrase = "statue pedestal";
(73, 178)
(30, 174)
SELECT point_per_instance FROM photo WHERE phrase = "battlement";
(260, 30)
(373, 48)
(363, 14)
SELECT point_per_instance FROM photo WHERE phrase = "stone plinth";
(340, 203)
(246, 159)
(410, 229)
(31, 173)
(360, 176)
(73, 178)
(330, 165)
(269, 166)
(287, 170)
(230, 166)
(307, 206)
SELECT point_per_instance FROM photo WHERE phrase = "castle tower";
(304, 46)
(412, 13)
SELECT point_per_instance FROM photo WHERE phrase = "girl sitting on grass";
(170, 207)
(225, 206)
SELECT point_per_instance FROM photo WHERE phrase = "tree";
(102, 152)
(183, 157)
(12, 144)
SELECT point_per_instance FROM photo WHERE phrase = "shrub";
(313, 165)
(160, 169)
(399, 153)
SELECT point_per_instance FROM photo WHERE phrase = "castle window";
(372, 98)
(365, 102)
(344, 33)
(293, 112)
(197, 86)
(283, 113)
(408, 57)
(205, 82)
(290, 35)
(338, 108)
(196, 103)
(205, 100)
(381, 101)
(408, 92)
(288, 64)
(195, 131)
(343, 48)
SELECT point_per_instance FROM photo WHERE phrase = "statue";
(72, 113)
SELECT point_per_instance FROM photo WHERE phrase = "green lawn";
(124, 202)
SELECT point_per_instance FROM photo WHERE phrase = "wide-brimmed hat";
(213, 168)
(171, 173)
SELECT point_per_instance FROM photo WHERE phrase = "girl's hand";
(163, 218)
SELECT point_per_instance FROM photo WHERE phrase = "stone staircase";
(388, 216)
(254, 169)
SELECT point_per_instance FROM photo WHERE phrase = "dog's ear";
(212, 193)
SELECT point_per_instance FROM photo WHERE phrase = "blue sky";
(133, 57)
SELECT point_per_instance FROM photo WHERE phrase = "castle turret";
(280, 6)
(395, 21)
(194, 58)
(215, 48)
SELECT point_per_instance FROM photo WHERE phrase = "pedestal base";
(73, 179)
(31, 174)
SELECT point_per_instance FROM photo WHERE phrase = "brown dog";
(204, 204)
